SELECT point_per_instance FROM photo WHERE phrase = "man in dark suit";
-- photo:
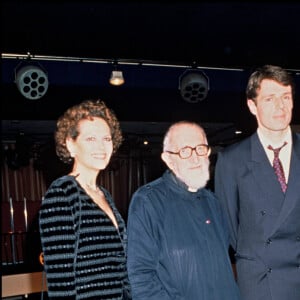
(264, 211)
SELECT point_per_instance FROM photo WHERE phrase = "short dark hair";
(275, 73)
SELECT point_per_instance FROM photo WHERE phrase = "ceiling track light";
(193, 85)
(116, 77)
(31, 81)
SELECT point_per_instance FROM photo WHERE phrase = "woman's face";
(93, 147)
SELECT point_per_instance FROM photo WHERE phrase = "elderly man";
(177, 237)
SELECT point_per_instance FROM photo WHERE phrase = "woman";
(82, 233)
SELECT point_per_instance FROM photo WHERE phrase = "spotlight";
(116, 77)
(32, 82)
(193, 85)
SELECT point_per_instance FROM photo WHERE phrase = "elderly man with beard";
(177, 236)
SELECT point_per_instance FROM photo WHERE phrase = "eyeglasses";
(186, 152)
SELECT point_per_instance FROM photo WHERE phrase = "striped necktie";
(277, 166)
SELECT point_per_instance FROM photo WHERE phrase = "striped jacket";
(84, 254)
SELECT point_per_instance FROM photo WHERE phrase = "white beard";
(198, 178)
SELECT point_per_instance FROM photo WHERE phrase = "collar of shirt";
(285, 152)
(180, 183)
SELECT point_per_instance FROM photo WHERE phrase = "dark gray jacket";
(264, 222)
(178, 244)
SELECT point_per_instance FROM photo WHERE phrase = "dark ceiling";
(221, 34)
(226, 40)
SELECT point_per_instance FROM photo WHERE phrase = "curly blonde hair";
(67, 125)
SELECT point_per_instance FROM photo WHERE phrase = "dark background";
(226, 40)
(155, 42)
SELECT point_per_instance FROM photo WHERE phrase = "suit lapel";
(293, 190)
(262, 170)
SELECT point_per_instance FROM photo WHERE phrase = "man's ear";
(209, 152)
(252, 106)
(168, 161)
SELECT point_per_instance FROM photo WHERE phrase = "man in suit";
(264, 214)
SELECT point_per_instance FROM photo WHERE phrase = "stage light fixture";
(32, 82)
(116, 77)
(193, 85)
